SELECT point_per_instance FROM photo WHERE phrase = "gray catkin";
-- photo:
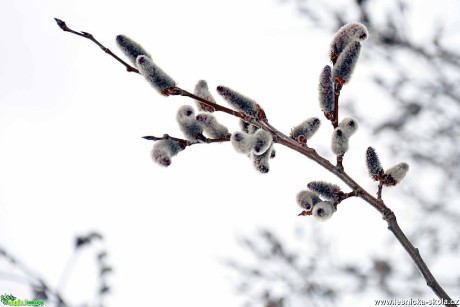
(163, 150)
(260, 162)
(324, 210)
(191, 128)
(339, 143)
(347, 34)
(154, 75)
(307, 199)
(346, 62)
(130, 48)
(326, 90)
(202, 91)
(211, 126)
(307, 128)
(397, 173)
(238, 101)
(325, 189)
(242, 141)
(262, 140)
(373, 163)
(349, 126)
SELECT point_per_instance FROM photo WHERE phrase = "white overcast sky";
(72, 159)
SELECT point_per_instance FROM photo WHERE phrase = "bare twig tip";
(61, 24)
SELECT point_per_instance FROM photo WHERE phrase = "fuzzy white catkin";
(324, 210)
(154, 75)
(242, 142)
(339, 143)
(238, 101)
(326, 90)
(202, 90)
(349, 126)
(211, 126)
(347, 34)
(262, 141)
(346, 62)
(325, 189)
(261, 162)
(307, 199)
(307, 128)
(397, 172)
(191, 128)
(163, 150)
(130, 48)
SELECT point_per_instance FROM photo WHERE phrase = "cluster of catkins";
(257, 143)
(311, 203)
(391, 176)
(194, 127)
(344, 54)
(251, 140)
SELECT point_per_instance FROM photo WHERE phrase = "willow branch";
(279, 137)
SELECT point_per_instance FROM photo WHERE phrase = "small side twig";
(184, 143)
(89, 36)
(338, 87)
(379, 191)
(339, 165)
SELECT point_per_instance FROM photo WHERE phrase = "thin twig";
(89, 36)
(339, 165)
(379, 191)
(184, 143)
(338, 87)
(215, 106)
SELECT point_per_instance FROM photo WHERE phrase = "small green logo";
(11, 300)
